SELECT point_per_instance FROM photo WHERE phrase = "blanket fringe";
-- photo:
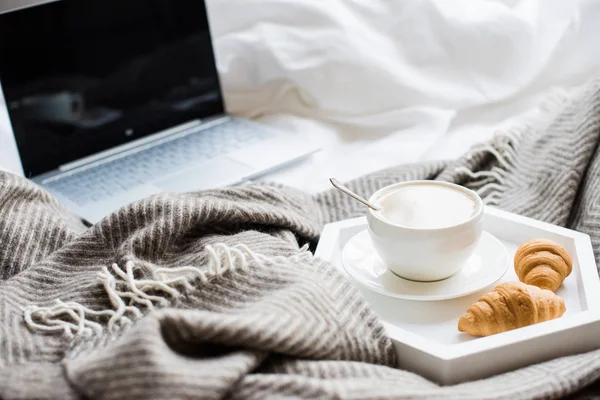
(491, 184)
(129, 295)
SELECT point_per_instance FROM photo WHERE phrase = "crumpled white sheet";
(364, 62)
(381, 82)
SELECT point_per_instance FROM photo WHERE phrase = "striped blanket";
(216, 294)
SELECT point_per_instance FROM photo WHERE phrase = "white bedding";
(380, 82)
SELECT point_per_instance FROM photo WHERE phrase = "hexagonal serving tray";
(425, 333)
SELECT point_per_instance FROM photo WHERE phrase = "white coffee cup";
(425, 254)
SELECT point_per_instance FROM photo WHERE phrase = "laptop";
(111, 101)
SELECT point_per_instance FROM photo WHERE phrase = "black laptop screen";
(82, 76)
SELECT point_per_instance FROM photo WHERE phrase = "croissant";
(543, 263)
(510, 305)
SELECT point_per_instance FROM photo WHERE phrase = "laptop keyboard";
(121, 174)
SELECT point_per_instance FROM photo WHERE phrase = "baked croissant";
(510, 305)
(542, 263)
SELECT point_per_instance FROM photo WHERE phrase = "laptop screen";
(82, 76)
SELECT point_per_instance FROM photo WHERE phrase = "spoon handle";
(350, 193)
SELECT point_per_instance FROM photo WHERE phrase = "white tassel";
(73, 318)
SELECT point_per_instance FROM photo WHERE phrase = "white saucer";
(486, 266)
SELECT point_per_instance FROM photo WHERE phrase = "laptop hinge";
(142, 143)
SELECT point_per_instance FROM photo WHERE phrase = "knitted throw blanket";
(216, 294)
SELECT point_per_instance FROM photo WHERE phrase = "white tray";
(425, 333)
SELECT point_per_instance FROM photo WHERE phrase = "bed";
(380, 83)
(375, 83)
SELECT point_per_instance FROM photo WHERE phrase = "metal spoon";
(350, 193)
